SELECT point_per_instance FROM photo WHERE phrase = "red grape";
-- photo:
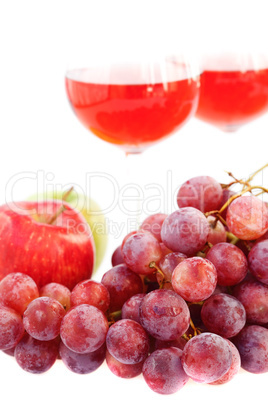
(254, 297)
(84, 329)
(153, 224)
(127, 236)
(263, 237)
(206, 357)
(230, 262)
(123, 370)
(11, 328)
(258, 261)
(185, 230)
(42, 318)
(92, 293)
(127, 342)
(163, 371)
(217, 232)
(177, 343)
(82, 363)
(164, 314)
(11, 351)
(164, 249)
(131, 307)
(235, 366)
(121, 283)
(167, 264)
(201, 192)
(252, 344)
(17, 290)
(117, 257)
(247, 217)
(141, 249)
(36, 356)
(224, 315)
(194, 279)
(58, 292)
(226, 195)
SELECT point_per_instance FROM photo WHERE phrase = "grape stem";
(195, 329)
(114, 316)
(233, 239)
(249, 188)
(257, 171)
(154, 266)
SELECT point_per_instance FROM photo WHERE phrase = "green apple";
(91, 212)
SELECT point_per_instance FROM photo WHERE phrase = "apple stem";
(60, 210)
(67, 193)
(53, 218)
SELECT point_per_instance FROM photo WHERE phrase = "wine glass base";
(230, 128)
(133, 150)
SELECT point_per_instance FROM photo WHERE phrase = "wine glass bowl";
(134, 104)
(233, 90)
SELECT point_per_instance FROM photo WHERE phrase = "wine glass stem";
(133, 167)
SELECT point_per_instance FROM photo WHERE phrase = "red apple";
(50, 241)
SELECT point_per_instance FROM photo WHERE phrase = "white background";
(43, 144)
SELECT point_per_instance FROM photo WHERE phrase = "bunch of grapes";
(186, 297)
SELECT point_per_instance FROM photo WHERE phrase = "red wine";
(229, 99)
(127, 109)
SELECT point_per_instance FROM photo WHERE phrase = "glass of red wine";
(134, 100)
(233, 90)
(134, 104)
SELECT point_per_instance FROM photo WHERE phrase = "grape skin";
(121, 283)
(82, 363)
(185, 230)
(127, 342)
(92, 293)
(252, 344)
(254, 297)
(123, 370)
(153, 224)
(201, 192)
(235, 366)
(230, 262)
(131, 308)
(194, 279)
(117, 257)
(258, 261)
(36, 356)
(167, 264)
(17, 290)
(163, 371)
(139, 250)
(226, 195)
(206, 357)
(11, 328)
(84, 329)
(42, 318)
(58, 292)
(217, 234)
(247, 217)
(177, 343)
(164, 314)
(224, 315)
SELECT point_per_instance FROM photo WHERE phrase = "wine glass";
(234, 89)
(134, 100)
(134, 104)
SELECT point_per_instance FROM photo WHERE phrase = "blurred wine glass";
(234, 89)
